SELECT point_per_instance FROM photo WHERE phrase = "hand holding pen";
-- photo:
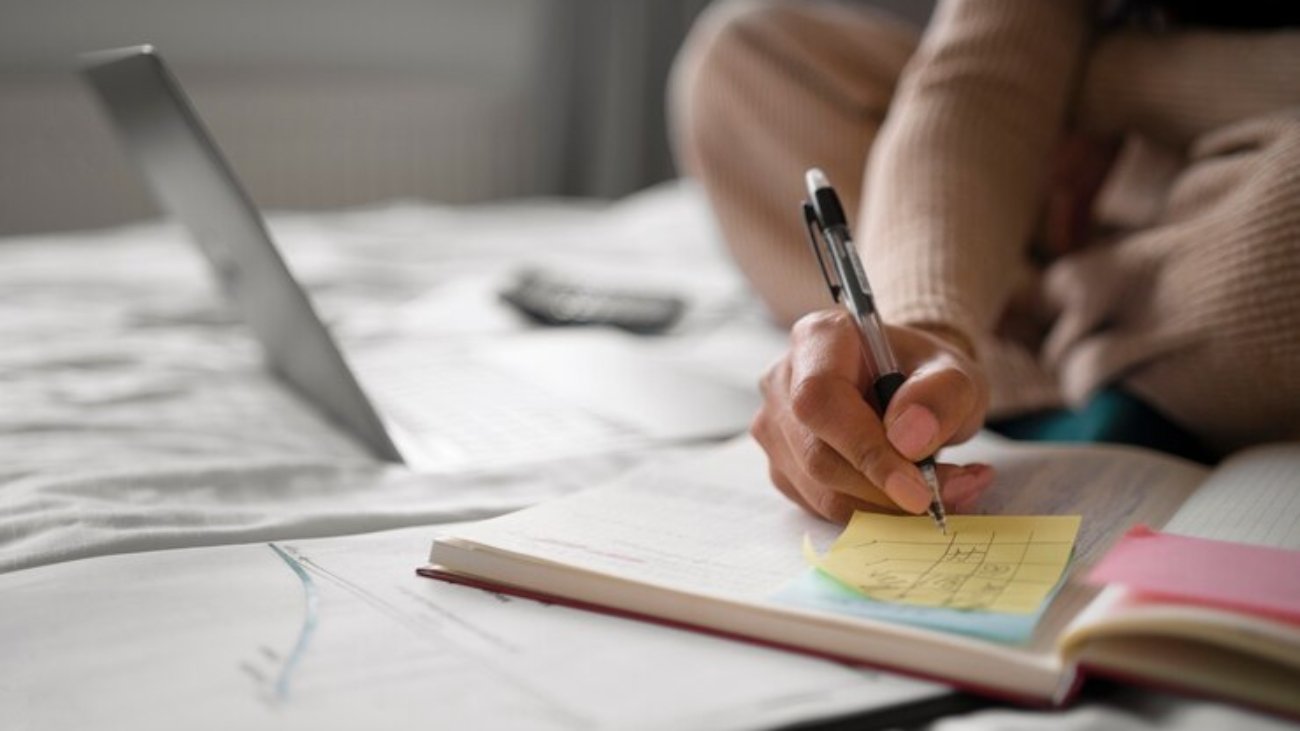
(828, 448)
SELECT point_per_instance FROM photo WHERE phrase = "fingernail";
(913, 431)
(908, 492)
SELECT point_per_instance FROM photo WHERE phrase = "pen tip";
(936, 503)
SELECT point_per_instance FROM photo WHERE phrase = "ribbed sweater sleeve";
(1177, 86)
(954, 182)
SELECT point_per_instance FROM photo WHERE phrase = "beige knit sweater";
(1192, 300)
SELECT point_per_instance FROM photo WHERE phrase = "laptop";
(435, 406)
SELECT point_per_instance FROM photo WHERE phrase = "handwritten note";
(985, 562)
(1253, 579)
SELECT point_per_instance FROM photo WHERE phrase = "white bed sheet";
(135, 414)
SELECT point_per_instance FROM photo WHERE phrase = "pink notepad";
(1249, 579)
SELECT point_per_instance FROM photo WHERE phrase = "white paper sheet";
(235, 637)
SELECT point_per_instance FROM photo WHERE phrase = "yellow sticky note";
(985, 562)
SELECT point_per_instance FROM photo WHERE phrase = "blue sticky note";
(813, 589)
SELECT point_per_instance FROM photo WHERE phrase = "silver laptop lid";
(193, 183)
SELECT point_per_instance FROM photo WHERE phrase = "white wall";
(317, 102)
(323, 103)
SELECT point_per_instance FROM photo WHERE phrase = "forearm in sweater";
(954, 181)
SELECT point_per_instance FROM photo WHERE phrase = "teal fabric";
(1112, 416)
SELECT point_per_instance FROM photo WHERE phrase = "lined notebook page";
(1253, 497)
(1111, 487)
(714, 526)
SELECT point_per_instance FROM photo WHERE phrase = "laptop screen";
(191, 180)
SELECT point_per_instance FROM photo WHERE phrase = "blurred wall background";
(323, 103)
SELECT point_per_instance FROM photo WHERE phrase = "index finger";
(826, 396)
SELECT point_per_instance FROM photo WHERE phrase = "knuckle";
(831, 506)
(762, 428)
(808, 449)
(959, 396)
(959, 379)
(872, 459)
(810, 398)
(973, 386)
(825, 506)
(779, 480)
(769, 384)
(944, 374)
(820, 461)
(982, 395)
(953, 394)
(787, 488)
(973, 397)
(821, 321)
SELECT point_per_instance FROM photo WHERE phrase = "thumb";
(940, 402)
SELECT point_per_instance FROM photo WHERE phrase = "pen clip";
(814, 227)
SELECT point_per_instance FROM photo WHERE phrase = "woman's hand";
(827, 449)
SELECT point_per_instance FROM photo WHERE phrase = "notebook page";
(717, 527)
(1253, 497)
(716, 530)
(1250, 498)
(710, 524)
(1112, 487)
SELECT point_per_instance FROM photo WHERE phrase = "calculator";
(551, 299)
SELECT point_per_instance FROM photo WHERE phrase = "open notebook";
(707, 543)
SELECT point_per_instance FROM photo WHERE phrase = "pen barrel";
(829, 209)
(885, 387)
(878, 350)
(859, 300)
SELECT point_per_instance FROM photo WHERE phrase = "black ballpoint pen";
(824, 217)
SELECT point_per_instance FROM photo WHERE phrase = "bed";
(136, 416)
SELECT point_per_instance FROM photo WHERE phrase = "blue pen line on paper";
(310, 615)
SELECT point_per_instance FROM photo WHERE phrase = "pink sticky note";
(1250, 579)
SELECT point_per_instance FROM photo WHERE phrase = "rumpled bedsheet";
(135, 413)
